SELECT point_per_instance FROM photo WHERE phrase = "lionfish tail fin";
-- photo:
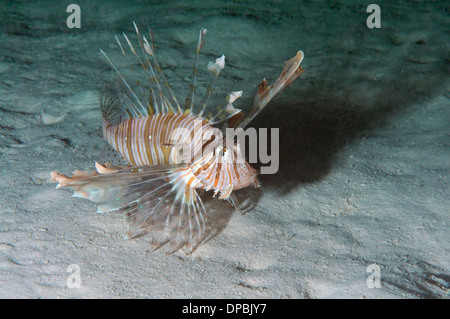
(149, 200)
(291, 70)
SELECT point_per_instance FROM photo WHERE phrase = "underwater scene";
(260, 149)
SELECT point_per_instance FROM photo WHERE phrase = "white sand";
(364, 152)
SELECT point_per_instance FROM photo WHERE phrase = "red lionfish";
(159, 194)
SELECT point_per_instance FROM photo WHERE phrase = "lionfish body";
(171, 152)
(153, 140)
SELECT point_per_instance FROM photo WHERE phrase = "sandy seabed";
(364, 154)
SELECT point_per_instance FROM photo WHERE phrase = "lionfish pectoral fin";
(149, 199)
(169, 219)
(151, 203)
(291, 70)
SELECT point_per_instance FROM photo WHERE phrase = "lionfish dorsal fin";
(117, 105)
(215, 68)
(134, 100)
(229, 111)
(189, 104)
(147, 197)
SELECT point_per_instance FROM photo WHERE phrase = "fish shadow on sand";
(331, 113)
(220, 212)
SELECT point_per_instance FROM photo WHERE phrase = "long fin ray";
(132, 97)
(215, 69)
(109, 155)
(143, 42)
(192, 88)
(149, 200)
(291, 70)
(144, 97)
(124, 81)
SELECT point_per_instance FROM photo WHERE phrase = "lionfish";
(158, 192)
